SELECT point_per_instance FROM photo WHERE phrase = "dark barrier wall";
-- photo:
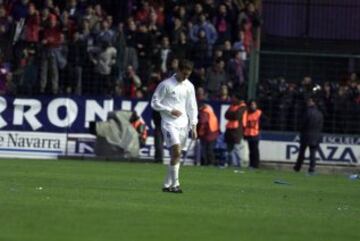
(318, 19)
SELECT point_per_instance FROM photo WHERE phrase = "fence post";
(253, 72)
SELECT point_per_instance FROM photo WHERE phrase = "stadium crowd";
(339, 102)
(124, 48)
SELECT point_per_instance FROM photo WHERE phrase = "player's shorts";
(175, 135)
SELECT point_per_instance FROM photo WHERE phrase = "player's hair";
(185, 64)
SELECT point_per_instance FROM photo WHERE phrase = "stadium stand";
(123, 48)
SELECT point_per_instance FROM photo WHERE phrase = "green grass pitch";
(64, 200)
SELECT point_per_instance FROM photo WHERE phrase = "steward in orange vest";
(234, 129)
(251, 124)
(208, 127)
(140, 127)
(208, 131)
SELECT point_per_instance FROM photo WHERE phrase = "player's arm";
(156, 101)
(157, 97)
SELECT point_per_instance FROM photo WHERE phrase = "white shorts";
(175, 136)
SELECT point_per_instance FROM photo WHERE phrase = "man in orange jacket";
(208, 131)
(234, 131)
(251, 124)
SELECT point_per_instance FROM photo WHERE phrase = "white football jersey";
(171, 94)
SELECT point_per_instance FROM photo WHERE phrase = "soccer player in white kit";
(175, 99)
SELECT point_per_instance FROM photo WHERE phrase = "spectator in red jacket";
(49, 62)
(32, 25)
(142, 15)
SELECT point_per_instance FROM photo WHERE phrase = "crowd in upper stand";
(124, 48)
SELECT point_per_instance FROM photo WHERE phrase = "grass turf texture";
(46, 200)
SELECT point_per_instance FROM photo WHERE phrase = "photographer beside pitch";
(175, 99)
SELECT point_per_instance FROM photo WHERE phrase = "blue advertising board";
(26, 125)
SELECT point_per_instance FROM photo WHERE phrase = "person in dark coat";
(310, 134)
(158, 137)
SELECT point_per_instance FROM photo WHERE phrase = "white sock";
(175, 175)
(167, 181)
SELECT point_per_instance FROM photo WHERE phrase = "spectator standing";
(164, 55)
(178, 29)
(49, 64)
(326, 104)
(287, 107)
(69, 25)
(239, 43)
(222, 23)
(126, 54)
(156, 117)
(106, 34)
(130, 32)
(209, 7)
(252, 14)
(76, 59)
(201, 48)
(142, 15)
(7, 86)
(73, 9)
(201, 94)
(20, 10)
(199, 78)
(236, 70)
(310, 135)
(197, 10)
(5, 22)
(90, 16)
(203, 25)
(158, 137)
(215, 77)
(32, 26)
(27, 71)
(104, 62)
(144, 47)
(155, 29)
(183, 48)
(224, 93)
(341, 110)
(248, 36)
(227, 51)
(5, 31)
